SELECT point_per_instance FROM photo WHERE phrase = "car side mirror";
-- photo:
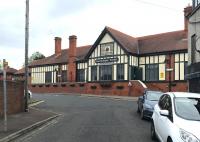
(164, 113)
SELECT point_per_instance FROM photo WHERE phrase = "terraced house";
(116, 63)
(194, 48)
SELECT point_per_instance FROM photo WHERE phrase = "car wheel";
(142, 114)
(138, 110)
(153, 133)
(169, 140)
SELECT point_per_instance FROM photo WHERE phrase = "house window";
(105, 72)
(152, 68)
(152, 72)
(64, 76)
(193, 48)
(80, 75)
(93, 73)
(107, 49)
(48, 77)
(180, 68)
(120, 72)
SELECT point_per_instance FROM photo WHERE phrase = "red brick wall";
(15, 93)
(178, 86)
(115, 88)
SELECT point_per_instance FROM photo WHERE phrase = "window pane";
(152, 72)
(181, 71)
(142, 60)
(143, 72)
(120, 72)
(162, 72)
(81, 75)
(161, 58)
(48, 77)
(107, 49)
(176, 57)
(93, 73)
(182, 57)
(176, 71)
(105, 72)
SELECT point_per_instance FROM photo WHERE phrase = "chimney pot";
(187, 11)
(57, 45)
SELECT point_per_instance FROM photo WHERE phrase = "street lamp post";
(26, 55)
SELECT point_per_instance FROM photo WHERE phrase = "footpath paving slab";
(21, 123)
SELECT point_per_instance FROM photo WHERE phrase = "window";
(107, 49)
(80, 75)
(48, 77)
(193, 48)
(152, 68)
(120, 72)
(105, 72)
(64, 76)
(152, 72)
(180, 68)
(93, 73)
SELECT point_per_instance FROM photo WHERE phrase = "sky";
(84, 18)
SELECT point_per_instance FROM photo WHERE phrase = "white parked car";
(176, 118)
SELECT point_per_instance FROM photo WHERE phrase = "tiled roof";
(10, 70)
(20, 71)
(61, 58)
(165, 42)
(128, 42)
(158, 43)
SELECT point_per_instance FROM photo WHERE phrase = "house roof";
(20, 71)
(61, 58)
(128, 42)
(10, 70)
(158, 43)
(164, 42)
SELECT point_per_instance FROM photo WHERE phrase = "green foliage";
(36, 56)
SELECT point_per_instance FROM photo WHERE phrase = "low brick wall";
(114, 88)
(176, 87)
(15, 97)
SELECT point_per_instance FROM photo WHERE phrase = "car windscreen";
(153, 96)
(188, 108)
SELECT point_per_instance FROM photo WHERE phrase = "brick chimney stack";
(57, 45)
(187, 11)
(71, 59)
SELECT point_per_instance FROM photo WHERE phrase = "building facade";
(193, 75)
(116, 60)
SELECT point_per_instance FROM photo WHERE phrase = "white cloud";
(86, 19)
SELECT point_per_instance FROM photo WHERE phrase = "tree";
(36, 56)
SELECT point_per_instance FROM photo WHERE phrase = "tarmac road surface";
(90, 119)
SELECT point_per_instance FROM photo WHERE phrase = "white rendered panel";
(125, 72)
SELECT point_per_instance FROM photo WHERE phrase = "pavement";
(22, 123)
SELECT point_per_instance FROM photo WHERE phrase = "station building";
(116, 64)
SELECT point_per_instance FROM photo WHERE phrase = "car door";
(141, 101)
(157, 119)
(165, 122)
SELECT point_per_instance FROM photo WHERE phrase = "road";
(91, 119)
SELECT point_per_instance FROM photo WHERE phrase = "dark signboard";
(107, 60)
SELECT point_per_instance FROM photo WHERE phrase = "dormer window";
(107, 49)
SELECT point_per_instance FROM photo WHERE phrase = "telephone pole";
(26, 55)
